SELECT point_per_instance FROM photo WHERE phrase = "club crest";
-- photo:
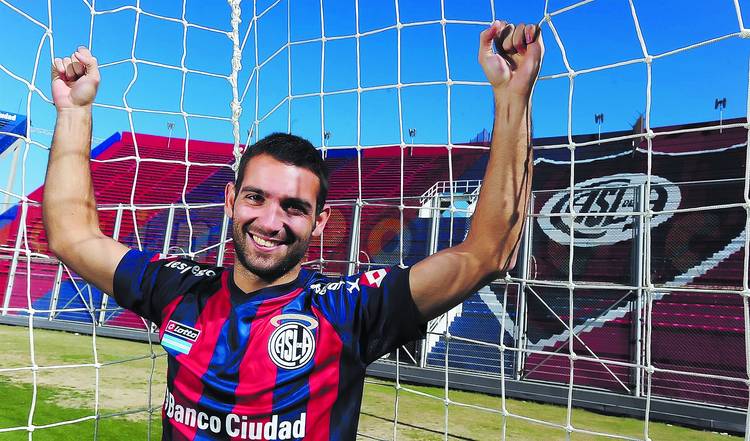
(292, 343)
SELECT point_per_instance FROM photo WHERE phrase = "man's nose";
(270, 219)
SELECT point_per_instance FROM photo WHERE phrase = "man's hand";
(75, 80)
(514, 64)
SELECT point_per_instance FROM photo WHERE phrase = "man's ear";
(229, 199)
(320, 220)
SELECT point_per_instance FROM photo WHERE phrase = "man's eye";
(254, 197)
(294, 210)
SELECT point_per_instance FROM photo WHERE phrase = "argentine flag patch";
(179, 337)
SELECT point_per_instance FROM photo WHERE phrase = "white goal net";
(630, 295)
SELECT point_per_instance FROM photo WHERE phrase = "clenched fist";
(75, 80)
(514, 64)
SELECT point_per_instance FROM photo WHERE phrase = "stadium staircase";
(477, 321)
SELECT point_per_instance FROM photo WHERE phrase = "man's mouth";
(265, 244)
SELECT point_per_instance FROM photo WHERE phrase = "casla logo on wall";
(608, 194)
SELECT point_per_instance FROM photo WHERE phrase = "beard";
(268, 267)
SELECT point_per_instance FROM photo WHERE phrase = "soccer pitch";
(68, 392)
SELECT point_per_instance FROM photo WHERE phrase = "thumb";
(485, 39)
(55, 71)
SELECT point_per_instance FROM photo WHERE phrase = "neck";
(248, 281)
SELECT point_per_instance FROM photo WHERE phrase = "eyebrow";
(249, 188)
(290, 200)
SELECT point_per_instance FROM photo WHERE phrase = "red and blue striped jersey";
(282, 363)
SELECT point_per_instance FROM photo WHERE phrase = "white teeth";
(262, 242)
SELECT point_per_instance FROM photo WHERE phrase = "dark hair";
(292, 150)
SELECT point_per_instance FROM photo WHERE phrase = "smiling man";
(287, 172)
(266, 349)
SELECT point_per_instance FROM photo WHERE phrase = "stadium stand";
(697, 249)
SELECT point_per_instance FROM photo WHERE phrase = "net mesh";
(403, 202)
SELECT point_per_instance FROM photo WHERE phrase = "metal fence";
(647, 285)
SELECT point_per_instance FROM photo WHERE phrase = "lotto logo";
(183, 331)
(373, 278)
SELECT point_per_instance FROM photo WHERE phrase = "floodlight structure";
(170, 128)
(720, 105)
(412, 134)
(599, 120)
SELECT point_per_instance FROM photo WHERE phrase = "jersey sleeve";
(389, 316)
(145, 284)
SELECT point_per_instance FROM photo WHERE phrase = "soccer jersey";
(282, 363)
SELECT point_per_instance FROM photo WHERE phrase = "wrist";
(504, 96)
(511, 109)
(74, 110)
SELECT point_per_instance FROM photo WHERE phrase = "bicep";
(445, 279)
(95, 259)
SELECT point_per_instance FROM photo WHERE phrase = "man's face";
(273, 216)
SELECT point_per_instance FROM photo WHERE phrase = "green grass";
(14, 412)
(69, 393)
(423, 418)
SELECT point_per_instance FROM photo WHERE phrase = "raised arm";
(446, 278)
(69, 207)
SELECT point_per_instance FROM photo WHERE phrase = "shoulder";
(336, 299)
(190, 268)
(146, 283)
(375, 279)
(325, 285)
(166, 272)
(189, 274)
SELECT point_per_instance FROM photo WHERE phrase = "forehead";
(280, 179)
